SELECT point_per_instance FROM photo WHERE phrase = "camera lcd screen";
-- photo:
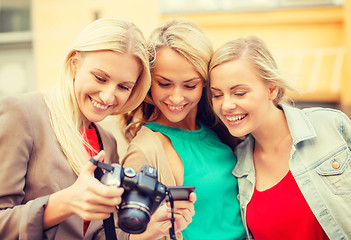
(180, 192)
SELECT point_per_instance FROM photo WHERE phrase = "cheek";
(156, 93)
(80, 86)
(77, 89)
(216, 107)
(123, 97)
(196, 95)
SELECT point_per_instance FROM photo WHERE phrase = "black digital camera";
(143, 193)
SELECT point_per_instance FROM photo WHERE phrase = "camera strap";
(109, 227)
(171, 229)
(109, 224)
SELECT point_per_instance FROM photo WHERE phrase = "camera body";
(143, 193)
(142, 196)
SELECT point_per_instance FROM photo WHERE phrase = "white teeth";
(175, 107)
(98, 105)
(235, 118)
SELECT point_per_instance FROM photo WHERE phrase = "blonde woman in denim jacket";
(294, 166)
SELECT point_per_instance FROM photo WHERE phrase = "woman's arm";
(16, 144)
(22, 171)
(160, 223)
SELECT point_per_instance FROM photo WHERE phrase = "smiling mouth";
(98, 105)
(235, 118)
(175, 108)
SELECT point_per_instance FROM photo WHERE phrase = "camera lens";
(134, 212)
(133, 220)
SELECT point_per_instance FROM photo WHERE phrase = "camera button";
(129, 172)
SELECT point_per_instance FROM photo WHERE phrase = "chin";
(235, 133)
(96, 119)
(174, 118)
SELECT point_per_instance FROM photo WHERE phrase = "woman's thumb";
(89, 166)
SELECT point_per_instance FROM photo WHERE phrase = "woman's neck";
(188, 123)
(272, 150)
(273, 132)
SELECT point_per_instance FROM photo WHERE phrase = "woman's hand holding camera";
(91, 199)
(87, 197)
(160, 222)
(184, 212)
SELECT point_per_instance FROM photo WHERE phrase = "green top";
(208, 165)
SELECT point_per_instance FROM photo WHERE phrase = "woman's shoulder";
(318, 111)
(28, 105)
(21, 115)
(145, 137)
(146, 142)
(325, 115)
(315, 114)
(144, 148)
(23, 100)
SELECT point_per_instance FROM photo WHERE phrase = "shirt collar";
(299, 125)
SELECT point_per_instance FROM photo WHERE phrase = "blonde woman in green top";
(174, 130)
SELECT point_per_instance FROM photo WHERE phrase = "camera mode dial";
(129, 172)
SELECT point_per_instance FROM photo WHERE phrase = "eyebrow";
(213, 88)
(108, 76)
(189, 80)
(102, 72)
(234, 87)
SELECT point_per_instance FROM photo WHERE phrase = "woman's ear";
(273, 92)
(74, 60)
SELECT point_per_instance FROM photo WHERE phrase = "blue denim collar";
(300, 128)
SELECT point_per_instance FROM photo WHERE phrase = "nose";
(176, 95)
(108, 95)
(228, 104)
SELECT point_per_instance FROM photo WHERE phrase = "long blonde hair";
(104, 34)
(187, 39)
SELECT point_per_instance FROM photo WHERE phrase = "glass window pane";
(14, 15)
(199, 6)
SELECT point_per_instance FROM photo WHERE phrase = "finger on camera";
(89, 167)
(192, 197)
(110, 196)
(92, 211)
(108, 202)
(100, 156)
(180, 203)
(105, 190)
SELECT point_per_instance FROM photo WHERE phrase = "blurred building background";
(311, 39)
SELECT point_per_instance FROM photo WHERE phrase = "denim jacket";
(320, 161)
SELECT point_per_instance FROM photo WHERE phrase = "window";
(200, 6)
(16, 56)
(14, 15)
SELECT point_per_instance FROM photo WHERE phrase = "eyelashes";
(238, 94)
(168, 85)
(120, 86)
(100, 79)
